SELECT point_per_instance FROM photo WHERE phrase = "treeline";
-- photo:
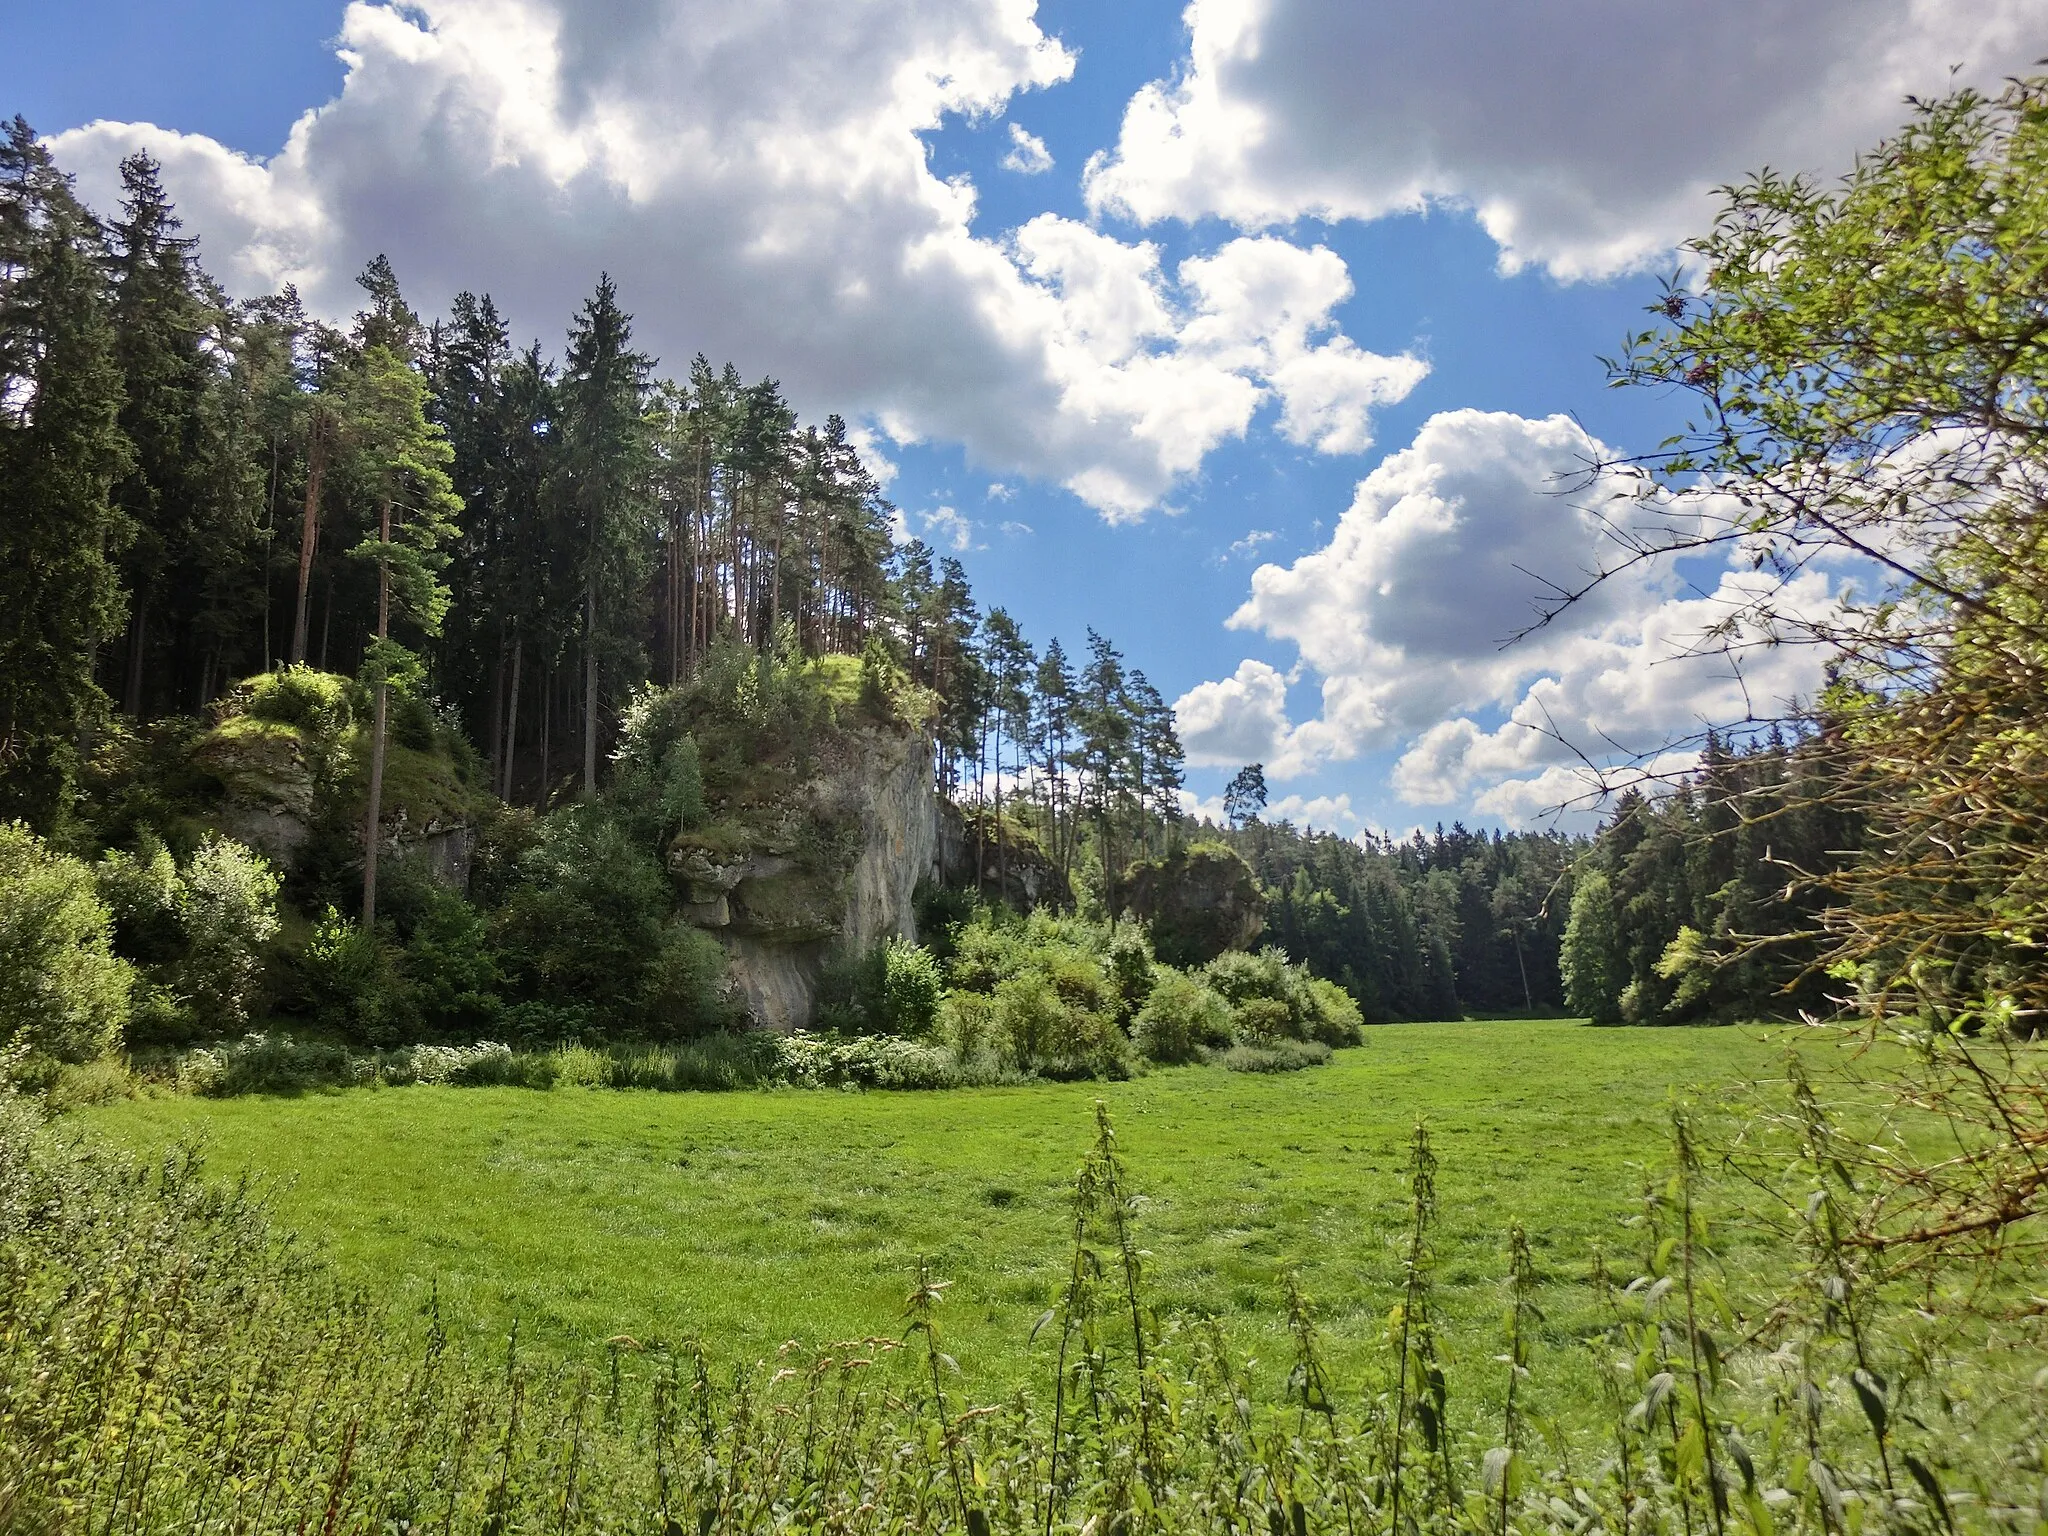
(1709, 902)
(215, 468)
(199, 489)
(1433, 927)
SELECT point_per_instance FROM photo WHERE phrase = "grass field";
(748, 1219)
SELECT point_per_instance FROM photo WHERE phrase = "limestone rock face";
(836, 866)
(271, 775)
(266, 770)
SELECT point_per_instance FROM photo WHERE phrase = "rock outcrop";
(278, 780)
(1198, 902)
(834, 868)
(1013, 868)
(266, 773)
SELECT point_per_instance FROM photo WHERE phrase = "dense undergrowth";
(169, 1363)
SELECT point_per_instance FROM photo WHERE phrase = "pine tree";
(1244, 797)
(1008, 659)
(403, 460)
(1053, 691)
(1102, 718)
(61, 453)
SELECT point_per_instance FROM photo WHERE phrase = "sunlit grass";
(749, 1219)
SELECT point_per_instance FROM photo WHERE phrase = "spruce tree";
(191, 491)
(604, 488)
(61, 453)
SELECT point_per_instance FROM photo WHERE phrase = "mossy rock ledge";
(277, 779)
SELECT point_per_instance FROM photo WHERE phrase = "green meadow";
(744, 1220)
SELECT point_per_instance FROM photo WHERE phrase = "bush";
(100, 1081)
(1266, 1018)
(266, 1063)
(657, 771)
(451, 969)
(141, 891)
(1275, 1056)
(1275, 999)
(1240, 976)
(969, 1024)
(63, 992)
(911, 990)
(893, 989)
(939, 912)
(227, 907)
(349, 983)
(410, 721)
(687, 990)
(1332, 1014)
(871, 1061)
(1043, 1032)
(1182, 1017)
(585, 926)
(1130, 970)
(319, 703)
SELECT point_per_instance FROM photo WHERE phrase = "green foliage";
(1182, 1017)
(1331, 1014)
(141, 892)
(657, 771)
(64, 994)
(453, 974)
(349, 982)
(1591, 956)
(589, 914)
(939, 911)
(1273, 1054)
(687, 992)
(1044, 1028)
(1273, 999)
(1440, 925)
(1130, 971)
(910, 991)
(892, 989)
(588, 929)
(401, 460)
(227, 911)
(320, 703)
(61, 452)
(1689, 965)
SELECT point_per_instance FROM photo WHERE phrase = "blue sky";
(818, 189)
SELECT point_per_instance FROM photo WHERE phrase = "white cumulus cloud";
(751, 172)
(1028, 155)
(1408, 613)
(1586, 135)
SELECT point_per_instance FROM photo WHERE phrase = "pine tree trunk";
(138, 646)
(510, 772)
(590, 690)
(309, 537)
(547, 724)
(498, 713)
(372, 829)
